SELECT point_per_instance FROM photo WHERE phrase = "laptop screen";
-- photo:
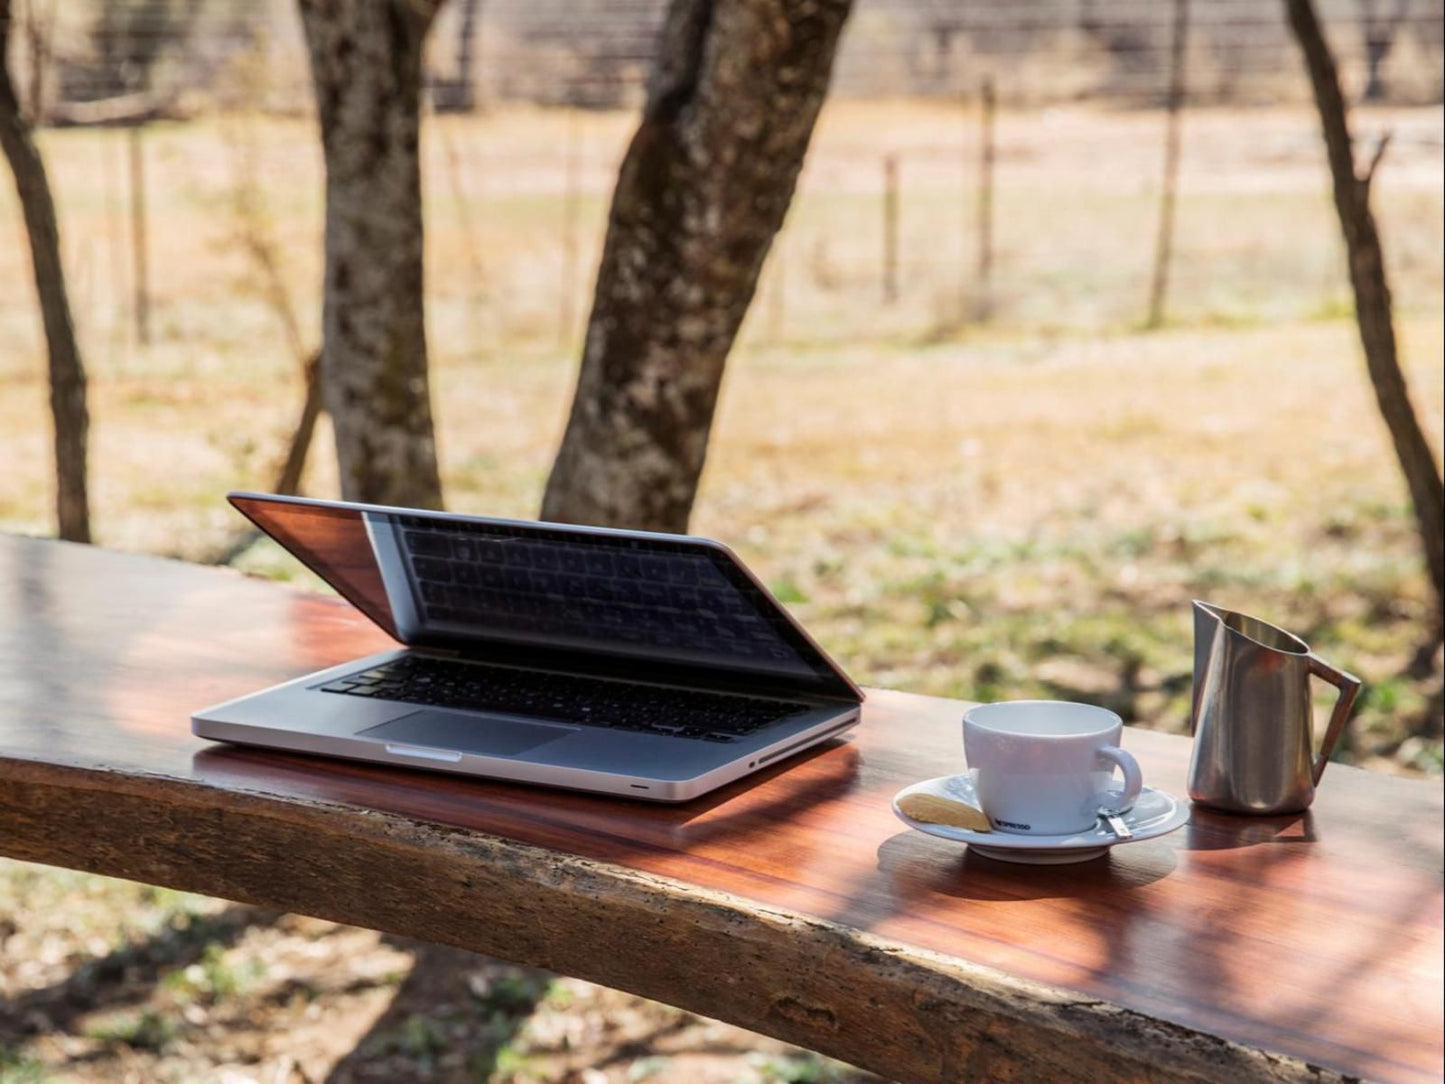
(463, 581)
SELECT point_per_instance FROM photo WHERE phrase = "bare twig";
(1376, 158)
(253, 234)
(288, 479)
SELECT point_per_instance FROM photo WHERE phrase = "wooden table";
(1301, 947)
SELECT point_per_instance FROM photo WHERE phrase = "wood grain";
(1272, 948)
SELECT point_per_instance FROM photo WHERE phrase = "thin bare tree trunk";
(702, 191)
(366, 65)
(1372, 297)
(67, 371)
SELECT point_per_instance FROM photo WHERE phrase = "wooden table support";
(1294, 948)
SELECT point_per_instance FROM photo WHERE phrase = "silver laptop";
(648, 665)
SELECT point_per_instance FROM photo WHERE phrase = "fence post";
(1164, 240)
(964, 298)
(983, 304)
(477, 283)
(111, 166)
(566, 318)
(138, 236)
(890, 229)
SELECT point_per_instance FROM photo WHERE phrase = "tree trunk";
(366, 64)
(1372, 297)
(701, 193)
(67, 372)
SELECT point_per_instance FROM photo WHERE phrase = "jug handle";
(1349, 687)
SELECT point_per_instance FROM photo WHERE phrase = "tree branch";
(1375, 158)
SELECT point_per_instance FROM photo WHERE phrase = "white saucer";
(1155, 813)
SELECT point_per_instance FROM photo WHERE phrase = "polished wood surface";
(1315, 937)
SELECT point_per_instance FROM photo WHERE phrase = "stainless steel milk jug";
(1251, 714)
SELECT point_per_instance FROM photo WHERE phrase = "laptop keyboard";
(568, 698)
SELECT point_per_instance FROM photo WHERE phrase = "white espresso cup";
(1045, 767)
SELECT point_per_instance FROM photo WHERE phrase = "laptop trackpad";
(466, 734)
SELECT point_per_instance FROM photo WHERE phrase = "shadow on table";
(918, 865)
(747, 806)
(1211, 831)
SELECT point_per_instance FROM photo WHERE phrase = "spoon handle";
(1116, 825)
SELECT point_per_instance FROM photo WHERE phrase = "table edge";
(903, 1011)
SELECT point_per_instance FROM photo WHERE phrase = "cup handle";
(1349, 687)
(1133, 777)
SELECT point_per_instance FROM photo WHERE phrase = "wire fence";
(979, 164)
(596, 53)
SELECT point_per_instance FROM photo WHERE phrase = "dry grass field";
(986, 511)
